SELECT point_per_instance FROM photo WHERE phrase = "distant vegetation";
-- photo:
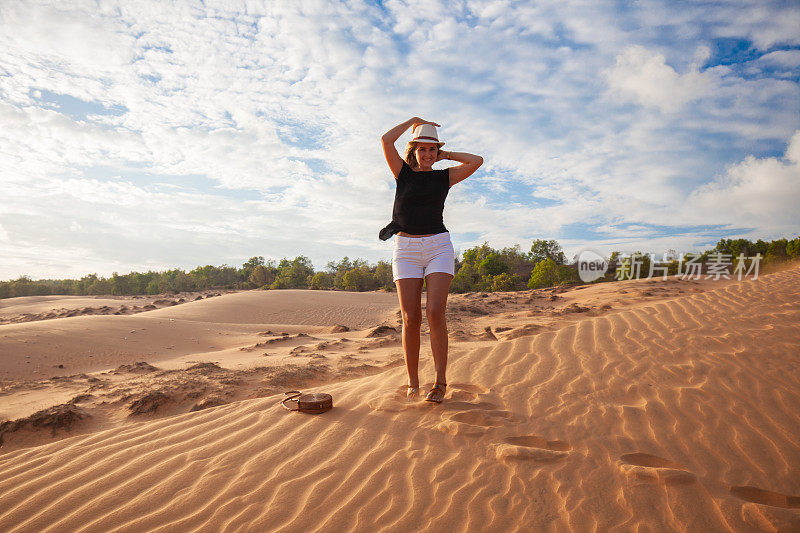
(297, 273)
(481, 268)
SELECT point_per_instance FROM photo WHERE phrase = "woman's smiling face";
(426, 154)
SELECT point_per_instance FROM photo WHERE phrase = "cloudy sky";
(147, 135)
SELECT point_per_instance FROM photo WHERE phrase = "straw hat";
(425, 133)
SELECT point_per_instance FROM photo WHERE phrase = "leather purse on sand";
(312, 402)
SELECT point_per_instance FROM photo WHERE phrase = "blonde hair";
(410, 156)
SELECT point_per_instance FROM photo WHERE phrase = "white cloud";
(765, 23)
(756, 192)
(642, 76)
(780, 63)
(84, 40)
(277, 113)
(782, 58)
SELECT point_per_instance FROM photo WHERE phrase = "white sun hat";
(425, 133)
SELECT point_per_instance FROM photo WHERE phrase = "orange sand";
(676, 408)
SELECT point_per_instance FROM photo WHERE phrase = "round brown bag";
(312, 402)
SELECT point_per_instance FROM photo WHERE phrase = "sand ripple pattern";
(681, 415)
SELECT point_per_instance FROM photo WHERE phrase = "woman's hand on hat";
(416, 121)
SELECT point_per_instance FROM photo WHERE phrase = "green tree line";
(481, 268)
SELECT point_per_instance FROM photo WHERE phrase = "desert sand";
(642, 405)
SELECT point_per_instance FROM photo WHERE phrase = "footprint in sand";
(766, 497)
(468, 387)
(653, 468)
(482, 417)
(768, 510)
(459, 396)
(534, 441)
(473, 423)
(467, 406)
(466, 412)
(464, 392)
(393, 402)
(531, 448)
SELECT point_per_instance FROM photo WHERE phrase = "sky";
(140, 135)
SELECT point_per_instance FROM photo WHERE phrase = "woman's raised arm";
(469, 164)
(390, 137)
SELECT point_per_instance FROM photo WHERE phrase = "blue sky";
(140, 135)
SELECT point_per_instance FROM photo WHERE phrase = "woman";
(422, 248)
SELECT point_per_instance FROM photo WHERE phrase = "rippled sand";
(671, 410)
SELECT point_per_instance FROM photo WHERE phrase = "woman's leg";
(438, 286)
(409, 290)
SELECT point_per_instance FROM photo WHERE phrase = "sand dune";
(673, 413)
(355, 310)
(200, 328)
(35, 308)
(86, 344)
(10, 307)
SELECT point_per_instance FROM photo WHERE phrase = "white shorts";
(416, 257)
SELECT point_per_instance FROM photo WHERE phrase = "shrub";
(258, 276)
(793, 248)
(504, 282)
(480, 265)
(542, 249)
(356, 280)
(321, 280)
(280, 283)
(293, 274)
(465, 279)
(383, 276)
(568, 275)
(493, 265)
(776, 251)
(545, 274)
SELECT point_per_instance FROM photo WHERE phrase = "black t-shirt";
(418, 202)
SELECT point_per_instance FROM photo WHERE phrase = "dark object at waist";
(393, 228)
